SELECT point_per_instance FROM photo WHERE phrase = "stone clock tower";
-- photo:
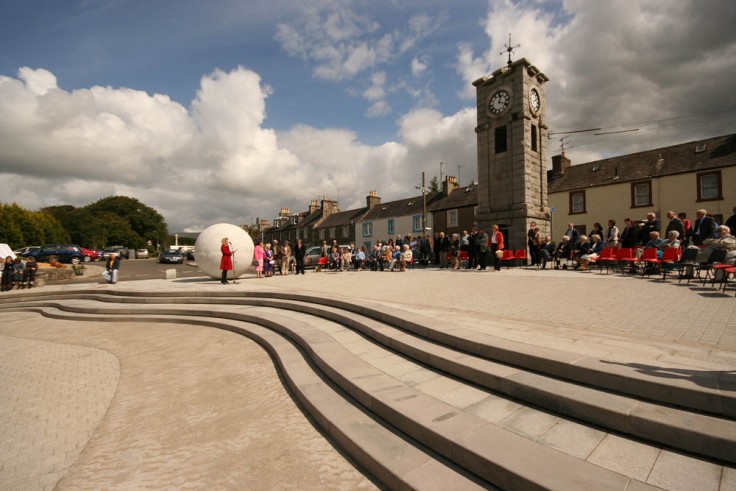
(512, 148)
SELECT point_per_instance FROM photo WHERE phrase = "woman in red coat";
(226, 263)
(496, 245)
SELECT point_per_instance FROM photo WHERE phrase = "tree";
(145, 222)
(434, 185)
(21, 227)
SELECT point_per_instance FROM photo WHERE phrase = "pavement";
(116, 405)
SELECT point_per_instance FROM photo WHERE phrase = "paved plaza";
(113, 405)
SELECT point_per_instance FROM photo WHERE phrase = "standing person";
(496, 245)
(7, 283)
(267, 261)
(30, 272)
(285, 256)
(532, 240)
(674, 224)
(483, 240)
(572, 233)
(258, 255)
(612, 234)
(226, 263)
(703, 228)
(300, 250)
(277, 256)
(651, 224)
(473, 244)
(731, 222)
(597, 230)
(629, 234)
(443, 247)
(111, 269)
(687, 225)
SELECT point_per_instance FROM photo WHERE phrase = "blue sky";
(227, 110)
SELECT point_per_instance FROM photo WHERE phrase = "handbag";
(255, 262)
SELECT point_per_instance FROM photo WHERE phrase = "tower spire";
(509, 49)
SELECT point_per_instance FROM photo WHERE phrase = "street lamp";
(424, 205)
(441, 164)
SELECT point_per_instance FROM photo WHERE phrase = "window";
(577, 202)
(641, 194)
(344, 231)
(390, 230)
(322, 234)
(534, 138)
(500, 139)
(332, 233)
(367, 229)
(709, 186)
(417, 223)
(305, 232)
(452, 218)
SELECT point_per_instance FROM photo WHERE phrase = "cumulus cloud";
(214, 161)
(617, 63)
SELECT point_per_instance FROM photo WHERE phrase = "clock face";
(534, 100)
(499, 102)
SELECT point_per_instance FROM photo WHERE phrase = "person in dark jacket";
(111, 268)
(300, 250)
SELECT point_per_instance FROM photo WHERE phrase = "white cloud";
(419, 66)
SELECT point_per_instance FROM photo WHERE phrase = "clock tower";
(512, 148)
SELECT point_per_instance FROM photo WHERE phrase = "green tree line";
(115, 220)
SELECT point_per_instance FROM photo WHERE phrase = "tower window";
(534, 138)
(500, 139)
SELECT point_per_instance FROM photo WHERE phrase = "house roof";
(693, 156)
(348, 217)
(462, 197)
(402, 207)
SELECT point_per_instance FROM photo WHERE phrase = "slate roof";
(400, 208)
(341, 218)
(719, 152)
(462, 197)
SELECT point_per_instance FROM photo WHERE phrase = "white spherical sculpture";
(207, 252)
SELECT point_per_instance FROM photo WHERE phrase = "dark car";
(177, 257)
(64, 253)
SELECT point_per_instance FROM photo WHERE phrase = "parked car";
(176, 256)
(312, 255)
(64, 253)
(26, 251)
(90, 255)
(120, 251)
(141, 253)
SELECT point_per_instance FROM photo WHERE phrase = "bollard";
(170, 274)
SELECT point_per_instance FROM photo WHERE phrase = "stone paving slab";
(661, 316)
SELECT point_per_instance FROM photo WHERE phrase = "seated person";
(406, 257)
(395, 258)
(546, 250)
(374, 258)
(29, 274)
(386, 257)
(563, 251)
(580, 248)
(335, 258)
(672, 240)
(723, 240)
(359, 259)
(346, 257)
(655, 241)
(595, 246)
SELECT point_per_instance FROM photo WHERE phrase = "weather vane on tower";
(509, 49)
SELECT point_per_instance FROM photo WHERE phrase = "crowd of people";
(479, 249)
(679, 232)
(18, 274)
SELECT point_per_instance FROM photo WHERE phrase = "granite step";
(695, 433)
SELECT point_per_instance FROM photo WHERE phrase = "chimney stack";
(560, 164)
(449, 185)
(372, 200)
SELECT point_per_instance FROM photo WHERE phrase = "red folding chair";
(520, 256)
(508, 258)
(625, 259)
(606, 257)
(648, 259)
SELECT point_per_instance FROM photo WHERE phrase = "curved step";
(691, 432)
(496, 455)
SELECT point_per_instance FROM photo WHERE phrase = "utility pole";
(424, 206)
